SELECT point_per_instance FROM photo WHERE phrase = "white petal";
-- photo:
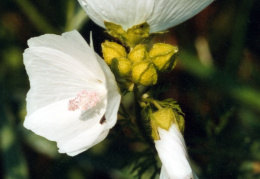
(172, 152)
(99, 139)
(70, 43)
(113, 96)
(163, 174)
(159, 14)
(168, 13)
(59, 69)
(126, 13)
(72, 130)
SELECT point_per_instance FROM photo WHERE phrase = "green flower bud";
(163, 56)
(144, 73)
(112, 50)
(121, 66)
(139, 53)
(163, 118)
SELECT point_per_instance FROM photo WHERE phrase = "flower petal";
(168, 13)
(124, 12)
(163, 174)
(113, 96)
(99, 139)
(172, 152)
(58, 69)
(56, 123)
(159, 14)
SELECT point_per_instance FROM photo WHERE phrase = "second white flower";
(73, 97)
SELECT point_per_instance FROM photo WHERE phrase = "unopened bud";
(112, 50)
(144, 73)
(122, 66)
(139, 53)
(163, 56)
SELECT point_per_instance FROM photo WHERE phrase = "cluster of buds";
(140, 65)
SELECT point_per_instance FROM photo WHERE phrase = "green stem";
(139, 120)
(154, 102)
(127, 113)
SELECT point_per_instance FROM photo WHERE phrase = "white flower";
(172, 152)
(159, 14)
(73, 98)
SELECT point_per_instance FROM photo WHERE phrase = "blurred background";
(216, 82)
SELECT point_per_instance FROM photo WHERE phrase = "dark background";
(216, 82)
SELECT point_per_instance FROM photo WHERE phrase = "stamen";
(84, 101)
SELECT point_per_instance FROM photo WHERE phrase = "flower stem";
(138, 115)
(154, 102)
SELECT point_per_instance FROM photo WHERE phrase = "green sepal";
(179, 115)
(114, 30)
(163, 118)
(133, 36)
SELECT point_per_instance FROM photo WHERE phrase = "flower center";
(84, 101)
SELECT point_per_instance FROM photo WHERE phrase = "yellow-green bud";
(112, 50)
(122, 66)
(163, 118)
(144, 73)
(139, 53)
(163, 56)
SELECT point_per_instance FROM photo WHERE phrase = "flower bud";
(163, 56)
(139, 53)
(112, 50)
(163, 118)
(144, 73)
(122, 66)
